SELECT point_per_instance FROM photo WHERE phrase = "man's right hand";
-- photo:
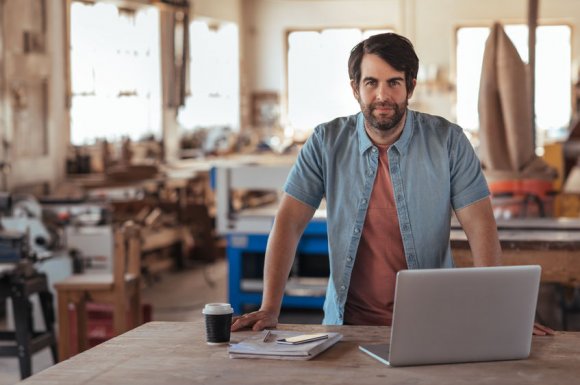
(257, 320)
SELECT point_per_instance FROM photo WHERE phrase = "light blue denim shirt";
(433, 168)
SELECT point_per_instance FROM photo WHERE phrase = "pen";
(265, 339)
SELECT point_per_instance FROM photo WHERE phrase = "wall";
(430, 24)
(225, 10)
(267, 22)
(32, 94)
(263, 26)
(49, 168)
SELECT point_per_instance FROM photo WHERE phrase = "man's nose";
(382, 92)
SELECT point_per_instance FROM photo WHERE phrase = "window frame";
(508, 22)
(123, 93)
(284, 100)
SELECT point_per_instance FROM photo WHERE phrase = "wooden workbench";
(552, 243)
(176, 353)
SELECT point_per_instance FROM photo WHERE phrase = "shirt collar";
(364, 142)
(401, 144)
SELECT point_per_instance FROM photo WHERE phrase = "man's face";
(382, 93)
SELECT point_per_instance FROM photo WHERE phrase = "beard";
(383, 122)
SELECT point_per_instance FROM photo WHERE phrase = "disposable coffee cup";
(218, 321)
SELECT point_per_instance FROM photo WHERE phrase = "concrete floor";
(180, 296)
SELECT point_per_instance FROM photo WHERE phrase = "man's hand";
(258, 320)
(541, 330)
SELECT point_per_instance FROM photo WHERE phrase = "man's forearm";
(485, 248)
(279, 258)
(291, 220)
(479, 225)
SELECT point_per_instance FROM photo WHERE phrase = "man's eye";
(394, 83)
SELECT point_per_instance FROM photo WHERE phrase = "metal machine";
(23, 233)
(24, 289)
(29, 236)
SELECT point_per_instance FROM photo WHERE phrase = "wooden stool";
(121, 289)
(19, 288)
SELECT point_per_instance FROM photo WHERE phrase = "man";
(390, 177)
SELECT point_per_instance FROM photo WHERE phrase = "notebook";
(278, 345)
(461, 315)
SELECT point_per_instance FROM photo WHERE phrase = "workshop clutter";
(522, 198)
(567, 205)
(174, 234)
(106, 157)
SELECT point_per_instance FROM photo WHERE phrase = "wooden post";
(532, 24)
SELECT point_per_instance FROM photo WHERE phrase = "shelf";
(296, 286)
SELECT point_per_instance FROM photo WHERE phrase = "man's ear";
(354, 89)
(410, 93)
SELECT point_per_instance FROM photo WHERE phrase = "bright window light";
(553, 75)
(318, 83)
(214, 98)
(115, 73)
(470, 46)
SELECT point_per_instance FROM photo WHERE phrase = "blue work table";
(313, 241)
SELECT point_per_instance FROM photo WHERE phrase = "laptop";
(457, 315)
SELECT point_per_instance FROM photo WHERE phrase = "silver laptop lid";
(463, 314)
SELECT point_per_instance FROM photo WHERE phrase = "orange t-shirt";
(380, 256)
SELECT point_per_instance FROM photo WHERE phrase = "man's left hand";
(541, 330)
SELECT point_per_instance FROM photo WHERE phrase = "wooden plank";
(567, 224)
(176, 353)
(154, 239)
(154, 264)
(557, 266)
(526, 240)
(557, 251)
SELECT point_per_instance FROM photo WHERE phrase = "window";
(553, 75)
(214, 99)
(318, 83)
(115, 73)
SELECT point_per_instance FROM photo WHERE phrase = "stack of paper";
(256, 347)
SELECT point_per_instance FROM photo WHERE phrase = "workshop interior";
(144, 145)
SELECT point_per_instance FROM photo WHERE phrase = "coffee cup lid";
(217, 308)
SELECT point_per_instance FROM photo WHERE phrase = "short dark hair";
(395, 49)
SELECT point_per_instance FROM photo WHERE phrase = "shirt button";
(399, 197)
(405, 227)
(343, 288)
(394, 169)
(349, 258)
(364, 201)
(357, 230)
(374, 149)
(370, 173)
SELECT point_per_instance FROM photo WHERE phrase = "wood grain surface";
(176, 353)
